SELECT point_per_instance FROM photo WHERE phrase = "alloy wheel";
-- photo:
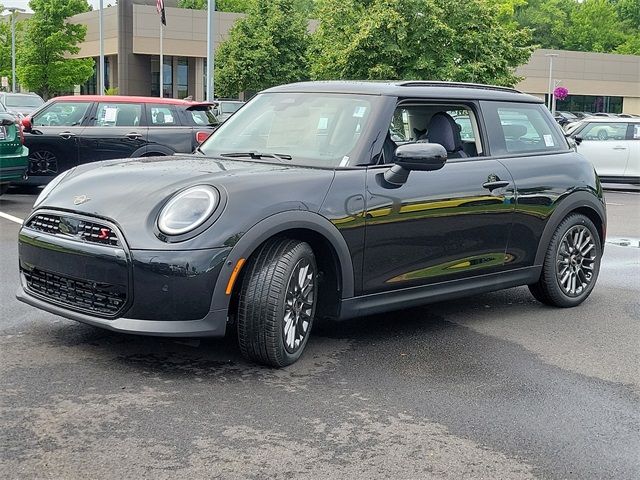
(575, 261)
(299, 305)
(43, 162)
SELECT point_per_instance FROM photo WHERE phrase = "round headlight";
(188, 210)
(49, 187)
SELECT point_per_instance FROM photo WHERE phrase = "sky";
(25, 3)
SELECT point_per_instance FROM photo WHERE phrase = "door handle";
(133, 136)
(619, 148)
(495, 184)
(66, 135)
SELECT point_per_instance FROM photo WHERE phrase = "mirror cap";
(421, 156)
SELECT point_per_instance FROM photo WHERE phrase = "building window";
(168, 76)
(590, 104)
(183, 77)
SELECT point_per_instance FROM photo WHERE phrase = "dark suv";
(69, 131)
(321, 200)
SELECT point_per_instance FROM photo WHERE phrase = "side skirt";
(414, 296)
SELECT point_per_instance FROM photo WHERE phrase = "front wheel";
(571, 264)
(277, 302)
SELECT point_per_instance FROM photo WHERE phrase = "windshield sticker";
(548, 140)
(636, 132)
(359, 112)
(345, 161)
(323, 123)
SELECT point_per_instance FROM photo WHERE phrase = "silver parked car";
(612, 144)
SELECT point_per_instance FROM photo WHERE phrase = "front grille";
(101, 298)
(74, 227)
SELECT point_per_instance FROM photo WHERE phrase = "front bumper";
(166, 293)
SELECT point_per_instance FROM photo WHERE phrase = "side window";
(202, 117)
(61, 114)
(118, 115)
(604, 131)
(162, 116)
(521, 128)
(635, 132)
(455, 127)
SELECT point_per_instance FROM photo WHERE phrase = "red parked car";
(68, 131)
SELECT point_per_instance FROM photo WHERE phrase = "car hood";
(131, 192)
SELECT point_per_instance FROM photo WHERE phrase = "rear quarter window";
(520, 128)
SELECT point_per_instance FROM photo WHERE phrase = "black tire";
(267, 295)
(556, 286)
(3, 188)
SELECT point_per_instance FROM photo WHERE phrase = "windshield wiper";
(258, 155)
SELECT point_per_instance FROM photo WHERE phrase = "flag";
(160, 8)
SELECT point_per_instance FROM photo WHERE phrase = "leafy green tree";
(242, 6)
(238, 6)
(548, 19)
(595, 27)
(264, 49)
(458, 40)
(42, 66)
(629, 11)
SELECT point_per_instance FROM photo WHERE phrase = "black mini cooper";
(321, 200)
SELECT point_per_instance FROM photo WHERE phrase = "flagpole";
(211, 47)
(161, 61)
(101, 62)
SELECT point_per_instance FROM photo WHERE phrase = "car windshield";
(23, 101)
(315, 129)
(229, 107)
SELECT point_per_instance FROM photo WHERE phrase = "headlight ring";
(187, 210)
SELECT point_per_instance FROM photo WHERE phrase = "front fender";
(273, 225)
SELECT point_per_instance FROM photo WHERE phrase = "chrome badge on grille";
(80, 199)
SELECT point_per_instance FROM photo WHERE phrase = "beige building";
(596, 81)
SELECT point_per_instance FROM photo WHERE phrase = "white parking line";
(616, 204)
(11, 217)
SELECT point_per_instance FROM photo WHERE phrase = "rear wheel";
(3, 188)
(571, 264)
(43, 162)
(277, 302)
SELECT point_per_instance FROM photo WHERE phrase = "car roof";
(411, 88)
(128, 99)
(610, 119)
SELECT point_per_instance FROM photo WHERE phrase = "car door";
(633, 164)
(525, 139)
(439, 225)
(53, 139)
(115, 130)
(167, 134)
(605, 145)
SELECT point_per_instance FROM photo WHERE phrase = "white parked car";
(613, 147)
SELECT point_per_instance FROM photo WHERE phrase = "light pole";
(211, 9)
(551, 57)
(101, 63)
(13, 11)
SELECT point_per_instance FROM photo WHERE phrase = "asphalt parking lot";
(496, 386)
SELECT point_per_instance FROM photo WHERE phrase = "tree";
(49, 38)
(237, 6)
(457, 40)
(595, 27)
(547, 19)
(629, 11)
(264, 49)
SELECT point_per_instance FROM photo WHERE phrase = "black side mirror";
(419, 156)
(578, 140)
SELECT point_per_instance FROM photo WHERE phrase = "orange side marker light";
(234, 275)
